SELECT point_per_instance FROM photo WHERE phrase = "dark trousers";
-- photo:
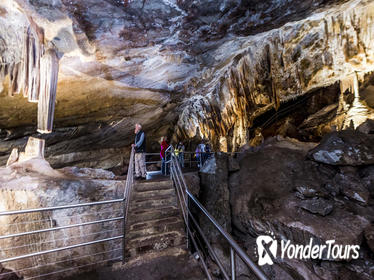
(165, 167)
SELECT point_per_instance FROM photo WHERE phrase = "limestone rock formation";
(34, 184)
(317, 206)
(13, 157)
(367, 127)
(9, 275)
(278, 189)
(345, 148)
(208, 69)
(214, 195)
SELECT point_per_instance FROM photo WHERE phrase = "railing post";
(232, 261)
(126, 199)
(124, 231)
(171, 167)
(188, 221)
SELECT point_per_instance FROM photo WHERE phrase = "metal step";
(154, 222)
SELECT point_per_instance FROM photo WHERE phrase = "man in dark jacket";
(140, 171)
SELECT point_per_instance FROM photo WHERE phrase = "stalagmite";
(13, 157)
(357, 112)
(48, 86)
(34, 149)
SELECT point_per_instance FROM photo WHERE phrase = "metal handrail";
(17, 212)
(59, 228)
(235, 249)
(238, 250)
(60, 249)
(171, 149)
(127, 198)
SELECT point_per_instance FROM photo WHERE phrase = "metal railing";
(184, 197)
(46, 236)
(44, 230)
(127, 198)
(190, 159)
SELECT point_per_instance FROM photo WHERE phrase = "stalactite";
(20, 78)
(348, 83)
(36, 75)
(48, 86)
(2, 72)
(15, 75)
(25, 64)
(32, 52)
(33, 70)
(25, 75)
(10, 70)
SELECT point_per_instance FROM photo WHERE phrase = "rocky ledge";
(287, 188)
(34, 184)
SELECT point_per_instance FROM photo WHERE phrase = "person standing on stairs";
(180, 155)
(139, 146)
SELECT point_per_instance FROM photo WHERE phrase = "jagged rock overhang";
(256, 73)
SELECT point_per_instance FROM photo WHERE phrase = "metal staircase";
(158, 219)
(154, 224)
(157, 226)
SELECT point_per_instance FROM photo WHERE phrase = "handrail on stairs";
(127, 198)
(184, 197)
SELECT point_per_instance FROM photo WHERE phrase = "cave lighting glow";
(359, 112)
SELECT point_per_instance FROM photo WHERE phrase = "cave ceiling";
(182, 68)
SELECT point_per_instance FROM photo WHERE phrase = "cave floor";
(169, 267)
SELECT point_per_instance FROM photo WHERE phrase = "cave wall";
(296, 191)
